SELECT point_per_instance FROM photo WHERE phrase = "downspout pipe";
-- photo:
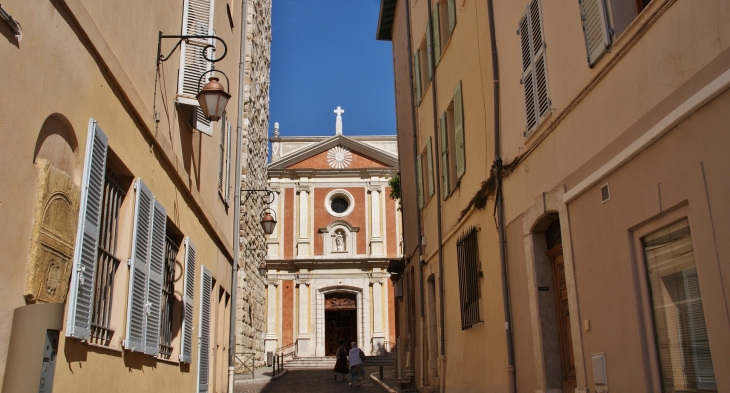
(499, 201)
(418, 213)
(237, 202)
(438, 195)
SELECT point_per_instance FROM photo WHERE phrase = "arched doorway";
(340, 320)
(562, 313)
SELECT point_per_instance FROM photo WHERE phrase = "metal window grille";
(468, 256)
(168, 298)
(107, 262)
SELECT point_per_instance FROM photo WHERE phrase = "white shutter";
(445, 167)
(595, 28)
(228, 161)
(222, 150)
(204, 331)
(429, 161)
(528, 84)
(197, 20)
(534, 72)
(460, 151)
(186, 343)
(538, 47)
(436, 30)
(155, 279)
(139, 269)
(452, 15)
(419, 182)
(83, 273)
(417, 75)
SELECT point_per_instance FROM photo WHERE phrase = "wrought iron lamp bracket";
(186, 38)
(268, 194)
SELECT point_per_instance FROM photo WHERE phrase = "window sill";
(168, 361)
(113, 349)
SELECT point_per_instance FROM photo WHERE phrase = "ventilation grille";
(605, 194)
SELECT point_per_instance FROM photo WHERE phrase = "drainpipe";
(437, 174)
(500, 206)
(415, 154)
(237, 202)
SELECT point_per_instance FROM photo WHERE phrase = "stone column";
(303, 323)
(303, 240)
(376, 239)
(378, 335)
(271, 338)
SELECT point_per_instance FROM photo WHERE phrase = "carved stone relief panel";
(53, 235)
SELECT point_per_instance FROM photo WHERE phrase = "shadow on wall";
(57, 143)
(7, 32)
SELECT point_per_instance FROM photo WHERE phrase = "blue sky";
(324, 54)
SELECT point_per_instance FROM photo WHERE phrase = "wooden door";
(563, 317)
(339, 325)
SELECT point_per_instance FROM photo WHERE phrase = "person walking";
(341, 364)
(357, 369)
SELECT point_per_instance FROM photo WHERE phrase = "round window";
(339, 205)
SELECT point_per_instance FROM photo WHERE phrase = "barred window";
(467, 248)
(107, 261)
(168, 297)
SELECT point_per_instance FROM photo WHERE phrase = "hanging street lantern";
(268, 222)
(213, 99)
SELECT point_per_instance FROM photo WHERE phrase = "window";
(443, 18)
(339, 205)
(467, 249)
(168, 295)
(197, 20)
(534, 73)
(595, 29)
(424, 175)
(224, 167)
(679, 322)
(623, 12)
(451, 142)
(422, 69)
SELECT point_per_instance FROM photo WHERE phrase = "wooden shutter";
(595, 28)
(445, 167)
(417, 75)
(436, 30)
(452, 15)
(197, 20)
(204, 331)
(137, 307)
(459, 148)
(429, 161)
(186, 343)
(83, 272)
(419, 182)
(534, 72)
(155, 279)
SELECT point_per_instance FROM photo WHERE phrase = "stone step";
(329, 361)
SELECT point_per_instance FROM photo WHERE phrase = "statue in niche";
(340, 243)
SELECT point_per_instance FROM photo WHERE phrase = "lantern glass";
(213, 100)
(262, 269)
(268, 223)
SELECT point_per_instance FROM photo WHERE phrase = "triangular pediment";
(323, 155)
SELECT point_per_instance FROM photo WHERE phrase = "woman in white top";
(357, 371)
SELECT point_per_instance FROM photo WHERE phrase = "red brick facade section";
(356, 218)
(287, 312)
(319, 161)
(289, 220)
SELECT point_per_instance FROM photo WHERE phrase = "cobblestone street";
(311, 380)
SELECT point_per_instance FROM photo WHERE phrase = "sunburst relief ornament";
(339, 157)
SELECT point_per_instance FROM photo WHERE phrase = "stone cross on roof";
(338, 124)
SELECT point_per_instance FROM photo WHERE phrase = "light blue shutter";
(436, 30)
(419, 182)
(538, 47)
(429, 161)
(137, 307)
(445, 167)
(83, 272)
(459, 147)
(204, 332)
(197, 20)
(595, 28)
(228, 160)
(222, 154)
(155, 280)
(186, 343)
(452, 15)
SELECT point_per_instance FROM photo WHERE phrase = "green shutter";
(419, 182)
(429, 42)
(436, 30)
(417, 76)
(429, 161)
(459, 132)
(452, 15)
(444, 143)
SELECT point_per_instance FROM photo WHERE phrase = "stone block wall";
(250, 309)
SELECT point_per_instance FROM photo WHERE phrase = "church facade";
(337, 230)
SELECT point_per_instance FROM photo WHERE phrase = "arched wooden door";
(340, 320)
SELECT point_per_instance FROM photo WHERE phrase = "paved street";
(310, 380)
